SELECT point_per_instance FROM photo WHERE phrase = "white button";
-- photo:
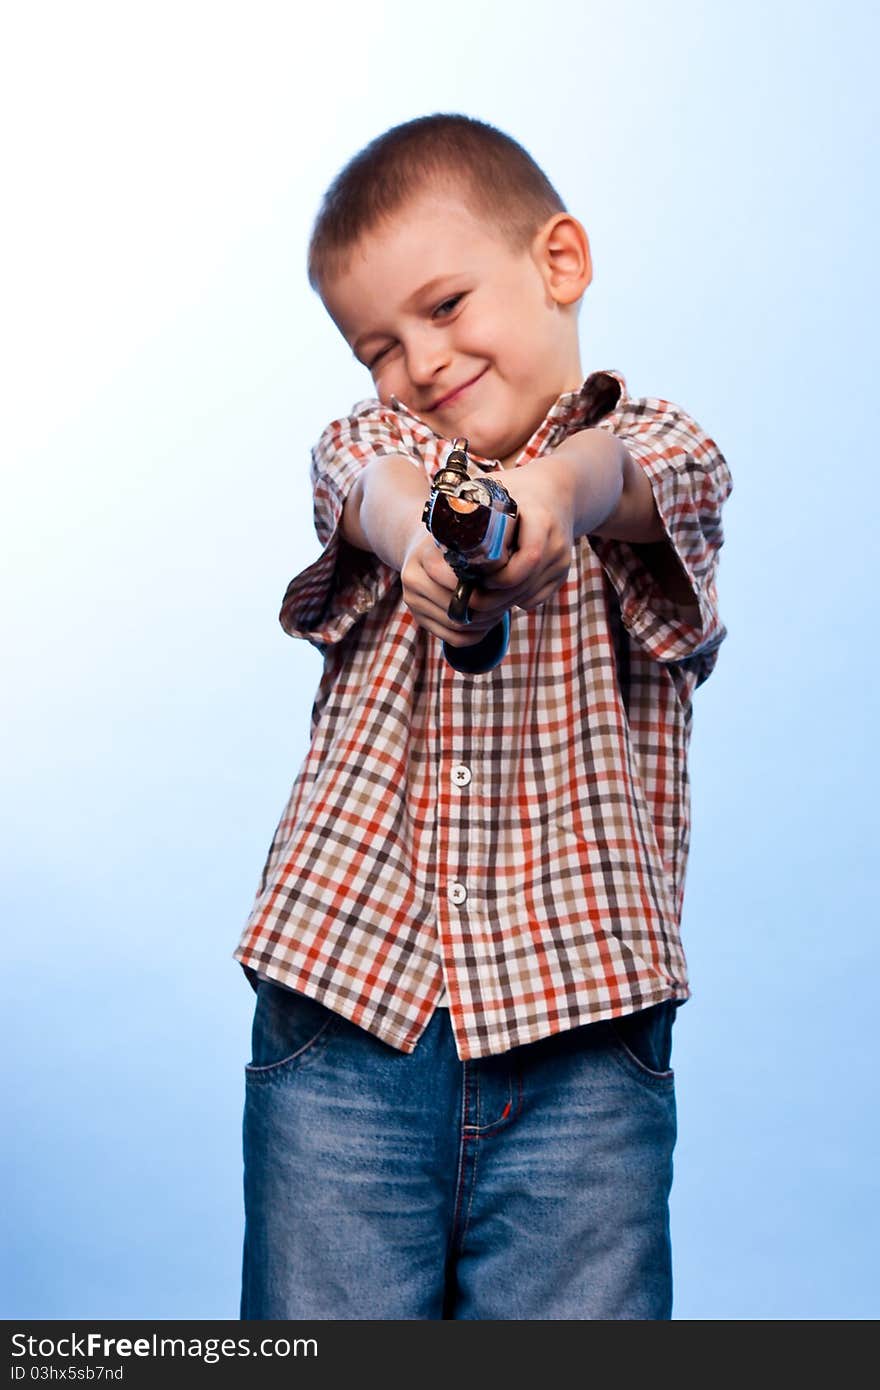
(461, 775)
(457, 893)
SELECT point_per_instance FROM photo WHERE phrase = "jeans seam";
(258, 1073)
(467, 1221)
(503, 1120)
(467, 1164)
(463, 1139)
(627, 1061)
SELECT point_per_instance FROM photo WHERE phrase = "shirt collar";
(598, 396)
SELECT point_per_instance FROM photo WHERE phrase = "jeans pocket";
(289, 1028)
(644, 1039)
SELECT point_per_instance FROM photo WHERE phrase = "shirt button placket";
(460, 776)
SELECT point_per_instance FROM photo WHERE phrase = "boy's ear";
(561, 251)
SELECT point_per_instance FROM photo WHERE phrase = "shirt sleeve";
(691, 481)
(325, 600)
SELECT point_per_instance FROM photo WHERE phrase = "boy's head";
(447, 260)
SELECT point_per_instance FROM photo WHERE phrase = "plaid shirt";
(525, 832)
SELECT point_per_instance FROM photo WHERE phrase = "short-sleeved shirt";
(521, 835)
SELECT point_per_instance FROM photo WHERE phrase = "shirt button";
(461, 775)
(457, 893)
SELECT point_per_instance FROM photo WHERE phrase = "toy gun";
(474, 521)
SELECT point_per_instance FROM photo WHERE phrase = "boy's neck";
(511, 460)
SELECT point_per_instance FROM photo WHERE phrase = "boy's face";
(436, 303)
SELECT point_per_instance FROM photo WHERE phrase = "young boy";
(465, 944)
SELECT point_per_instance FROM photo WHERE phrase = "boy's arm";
(325, 600)
(591, 485)
(667, 587)
(566, 493)
(635, 517)
(593, 458)
(379, 511)
(369, 486)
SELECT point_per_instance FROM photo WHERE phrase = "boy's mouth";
(454, 395)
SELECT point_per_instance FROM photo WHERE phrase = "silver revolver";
(474, 521)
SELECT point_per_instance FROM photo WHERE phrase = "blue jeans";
(385, 1185)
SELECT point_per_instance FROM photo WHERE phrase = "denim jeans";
(385, 1185)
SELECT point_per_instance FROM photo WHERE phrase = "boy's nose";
(425, 360)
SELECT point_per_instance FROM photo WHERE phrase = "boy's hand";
(542, 559)
(563, 494)
(428, 585)
(566, 493)
(383, 514)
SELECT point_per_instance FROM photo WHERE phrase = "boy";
(465, 942)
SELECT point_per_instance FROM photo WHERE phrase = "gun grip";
(458, 604)
(484, 655)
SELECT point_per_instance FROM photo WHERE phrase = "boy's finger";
(520, 569)
(543, 582)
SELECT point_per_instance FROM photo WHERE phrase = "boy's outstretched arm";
(566, 493)
(589, 485)
(379, 510)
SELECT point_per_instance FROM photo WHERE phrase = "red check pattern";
(522, 833)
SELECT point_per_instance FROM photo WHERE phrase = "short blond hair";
(496, 178)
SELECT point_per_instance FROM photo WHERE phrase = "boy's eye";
(447, 304)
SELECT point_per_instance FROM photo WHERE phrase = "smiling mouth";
(459, 390)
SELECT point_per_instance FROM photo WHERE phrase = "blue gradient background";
(166, 369)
